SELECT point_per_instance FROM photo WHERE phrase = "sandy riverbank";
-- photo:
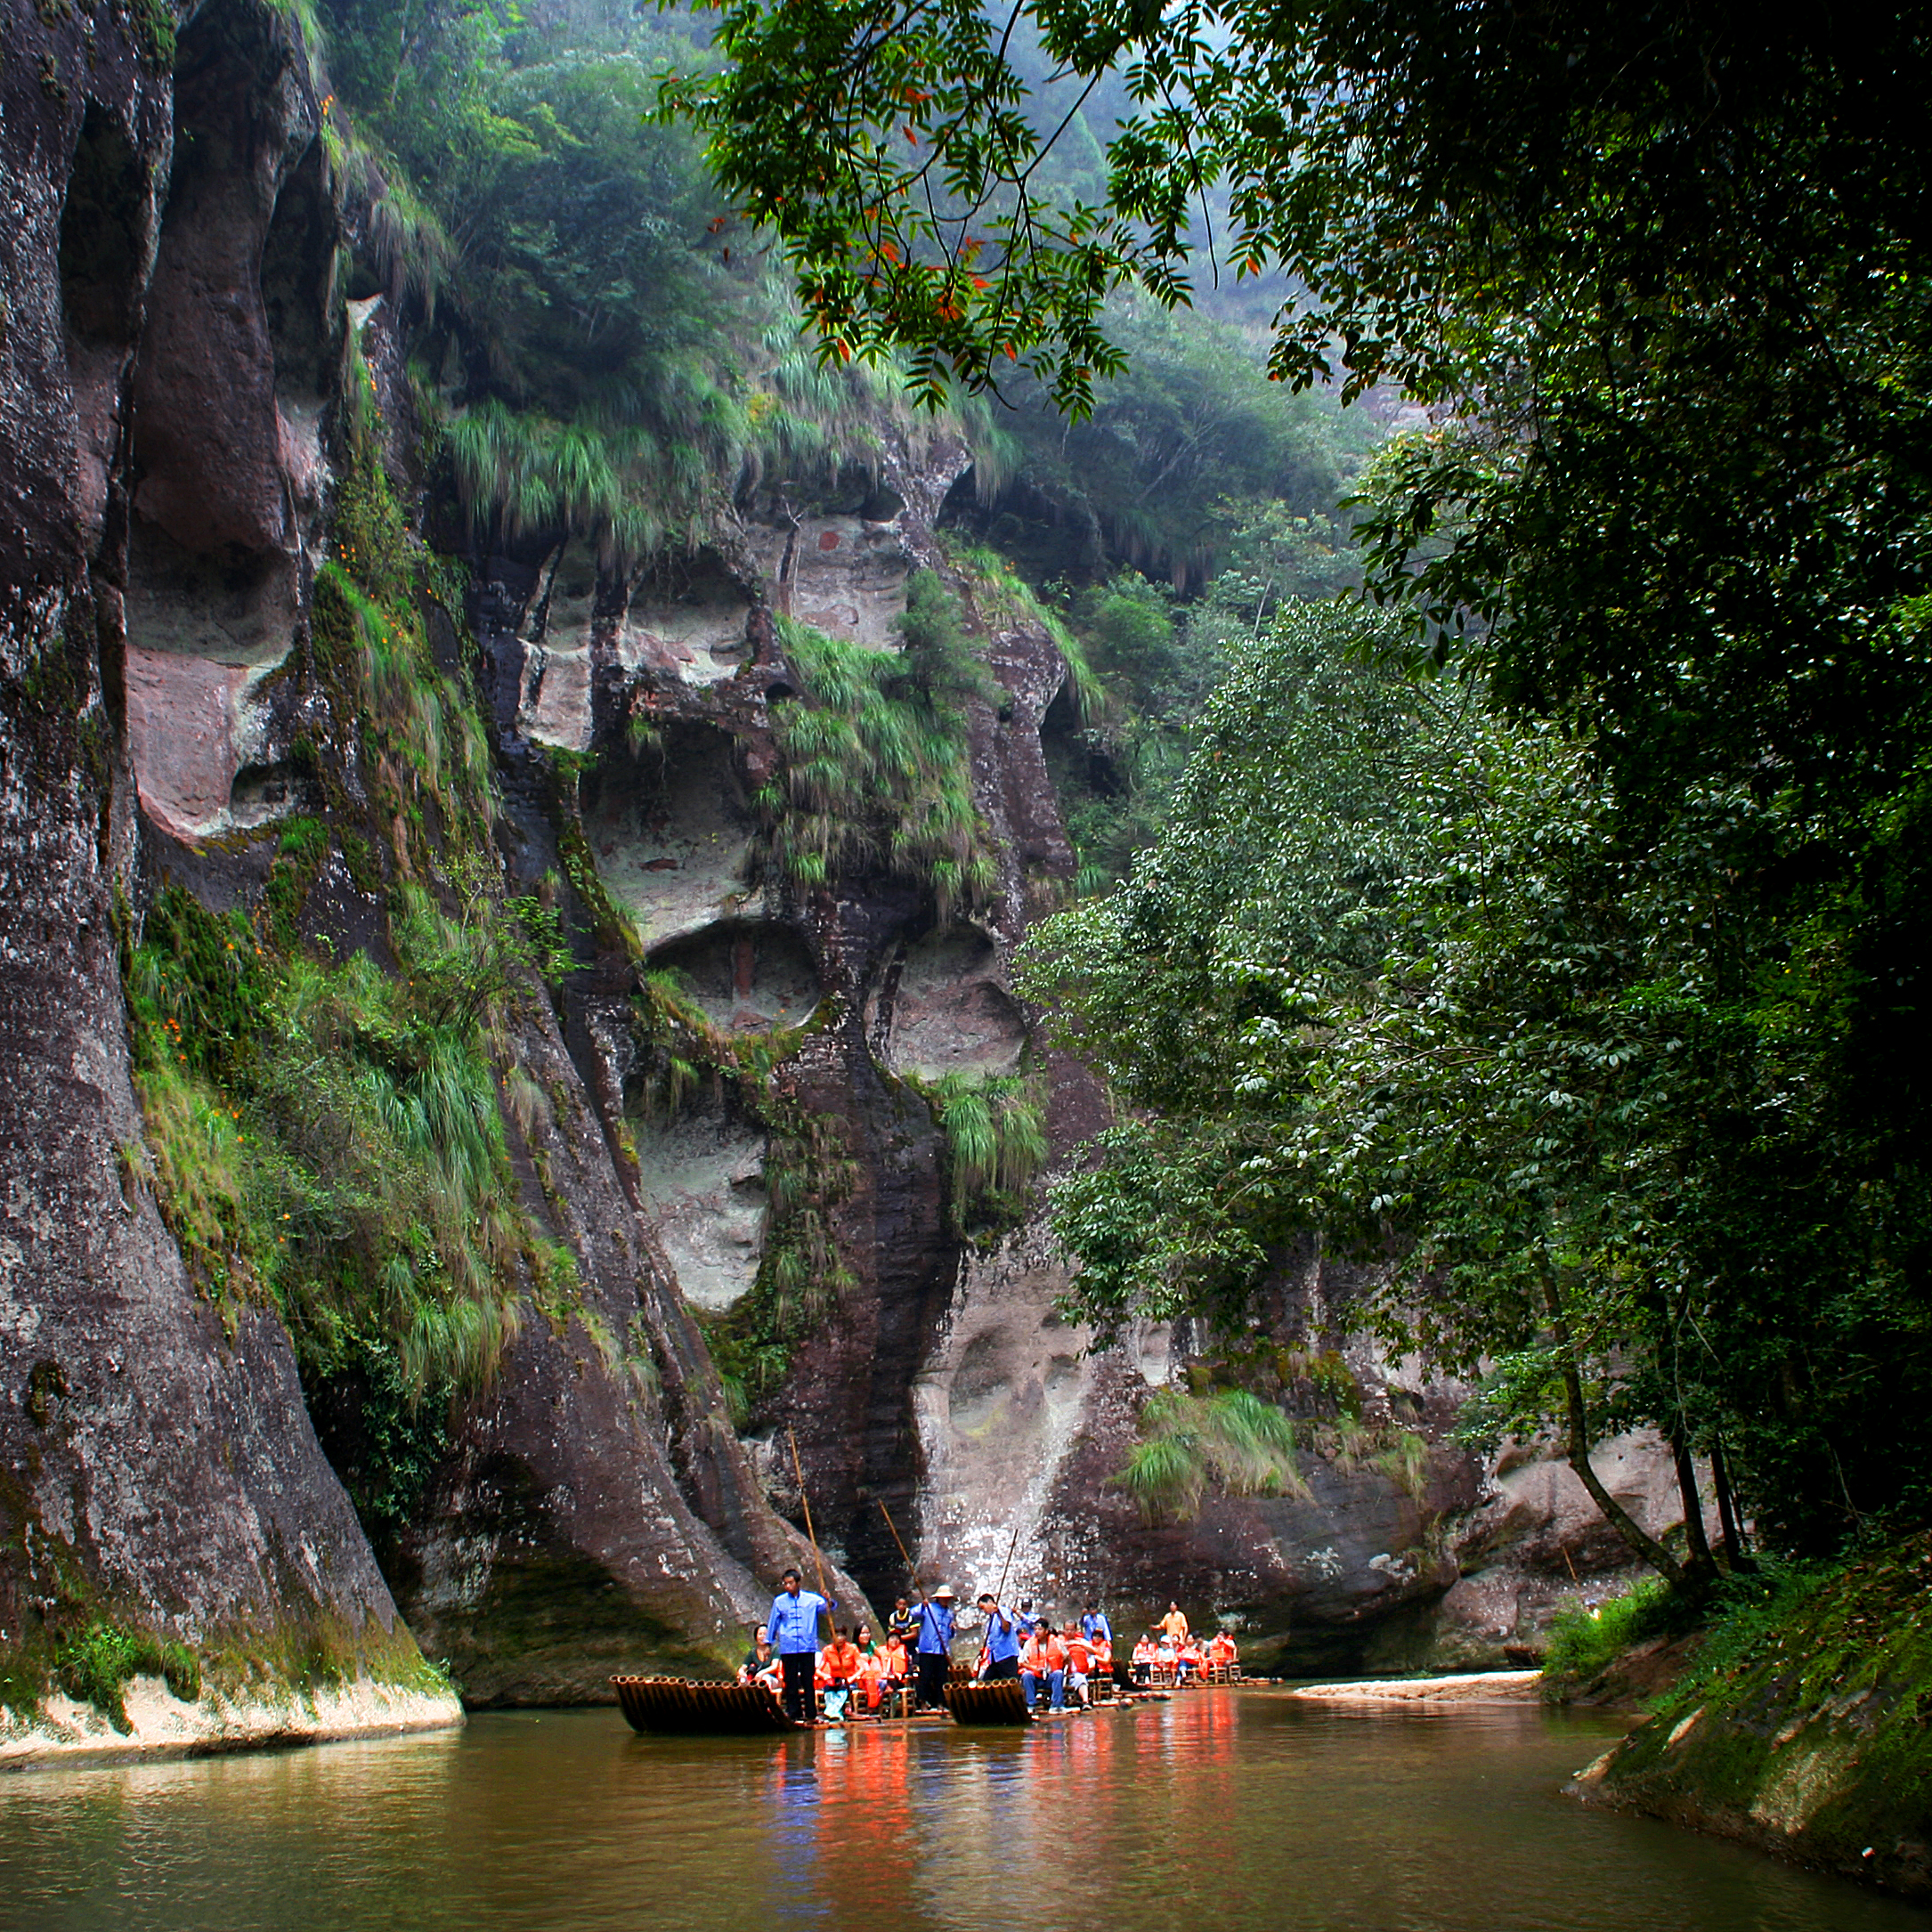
(162, 1725)
(1479, 1687)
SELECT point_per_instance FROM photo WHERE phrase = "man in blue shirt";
(792, 1631)
(1002, 1639)
(934, 1649)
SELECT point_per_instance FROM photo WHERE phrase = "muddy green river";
(1220, 1809)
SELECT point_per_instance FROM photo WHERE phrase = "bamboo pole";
(910, 1570)
(798, 1469)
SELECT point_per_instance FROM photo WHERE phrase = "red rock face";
(209, 452)
(152, 1468)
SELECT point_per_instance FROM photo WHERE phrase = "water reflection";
(1217, 1810)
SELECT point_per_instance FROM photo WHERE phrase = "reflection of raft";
(1003, 1702)
(673, 1704)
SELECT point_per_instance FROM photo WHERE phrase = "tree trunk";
(1735, 1554)
(1645, 1546)
(1699, 1544)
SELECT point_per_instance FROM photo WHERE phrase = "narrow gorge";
(598, 952)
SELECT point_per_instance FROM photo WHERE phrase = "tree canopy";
(1630, 1052)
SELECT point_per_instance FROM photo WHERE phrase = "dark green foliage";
(1189, 452)
(1584, 1641)
(1663, 274)
(401, 1434)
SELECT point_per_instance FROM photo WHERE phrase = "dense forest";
(1510, 873)
(1552, 914)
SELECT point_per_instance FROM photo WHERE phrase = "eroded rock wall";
(155, 1471)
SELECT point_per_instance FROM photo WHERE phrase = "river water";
(1224, 1808)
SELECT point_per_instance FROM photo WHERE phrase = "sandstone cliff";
(751, 1074)
(157, 1473)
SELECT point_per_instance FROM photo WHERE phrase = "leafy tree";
(1661, 274)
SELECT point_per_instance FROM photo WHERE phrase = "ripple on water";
(1220, 1809)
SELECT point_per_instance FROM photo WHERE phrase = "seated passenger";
(840, 1661)
(1079, 1663)
(1044, 1659)
(756, 1659)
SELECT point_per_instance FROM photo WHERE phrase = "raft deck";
(1003, 1702)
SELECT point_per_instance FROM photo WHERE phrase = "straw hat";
(942, 1594)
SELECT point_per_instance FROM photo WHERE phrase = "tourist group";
(905, 1668)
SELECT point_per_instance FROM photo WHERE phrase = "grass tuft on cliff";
(1804, 1724)
(1231, 1440)
(874, 772)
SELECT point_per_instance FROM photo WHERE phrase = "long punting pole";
(998, 1595)
(798, 1469)
(893, 1527)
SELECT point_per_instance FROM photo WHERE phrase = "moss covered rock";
(1805, 1728)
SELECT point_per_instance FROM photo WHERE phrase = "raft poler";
(792, 1631)
(934, 1651)
(1003, 1640)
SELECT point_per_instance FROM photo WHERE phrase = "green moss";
(95, 1667)
(305, 845)
(154, 23)
(1807, 1719)
(873, 767)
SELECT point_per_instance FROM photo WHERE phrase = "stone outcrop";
(156, 1471)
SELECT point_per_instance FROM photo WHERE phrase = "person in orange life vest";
(1045, 1657)
(1144, 1655)
(872, 1677)
(1103, 1656)
(840, 1661)
(1221, 1651)
(1079, 1662)
(1175, 1623)
(898, 1666)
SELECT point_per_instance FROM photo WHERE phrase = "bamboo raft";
(680, 1708)
(1003, 1702)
